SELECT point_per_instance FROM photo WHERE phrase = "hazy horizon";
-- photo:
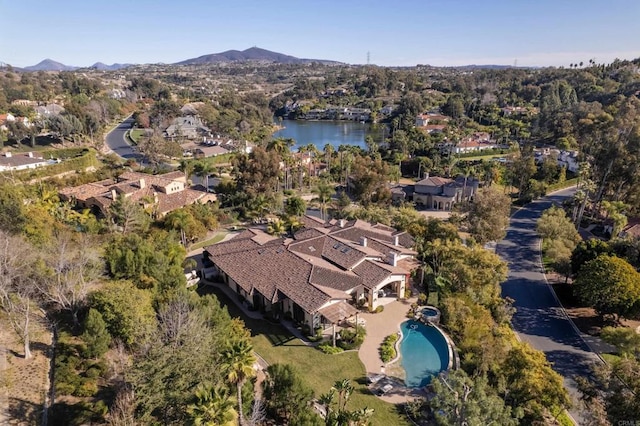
(440, 33)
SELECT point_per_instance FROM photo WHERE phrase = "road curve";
(116, 141)
(539, 318)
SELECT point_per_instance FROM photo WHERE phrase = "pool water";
(424, 352)
(429, 312)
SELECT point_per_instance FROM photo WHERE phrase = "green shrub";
(89, 387)
(351, 338)
(328, 349)
(388, 348)
(422, 299)
(379, 309)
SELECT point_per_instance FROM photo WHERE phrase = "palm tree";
(337, 413)
(187, 167)
(313, 152)
(277, 228)
(328, 152)
(259, 206)
(203, 169)
(212, 406)
(239, 361)
(344, 389)
(179, 220)
(324, 192)
(281, 145)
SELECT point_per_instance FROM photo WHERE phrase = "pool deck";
(378, 327)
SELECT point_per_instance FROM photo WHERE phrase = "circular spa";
(425, 352)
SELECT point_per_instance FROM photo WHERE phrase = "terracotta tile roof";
(311, 221)
(234, 245)
(343, 255)
(307, 233)
(434, 181)
(371, 273)
(338, 280)
(273, 268)
(86, 191)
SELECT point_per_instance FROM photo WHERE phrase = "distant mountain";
(251, 54)
(484, 67)
(104, 67)
(49, 65)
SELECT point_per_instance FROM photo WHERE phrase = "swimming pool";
(424, 351)
(430, 312)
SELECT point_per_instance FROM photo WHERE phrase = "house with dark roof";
(440, 193)
(190, 127)
(158, 193)
(320, 274)
(22, 161)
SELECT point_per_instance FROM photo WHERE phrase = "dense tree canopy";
(611, 285)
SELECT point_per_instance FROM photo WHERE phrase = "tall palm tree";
(328, 153)
(213, 406)
(239, 361)
(324, 191)
(314, 153)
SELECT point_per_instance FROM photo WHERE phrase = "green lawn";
(136, 134)
(216, 239)
(275, 344)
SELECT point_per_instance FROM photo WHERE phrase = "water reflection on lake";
(321, 133)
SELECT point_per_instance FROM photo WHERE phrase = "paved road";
(539, 319)
(117, 142)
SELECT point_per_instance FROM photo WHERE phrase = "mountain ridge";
(248, 55)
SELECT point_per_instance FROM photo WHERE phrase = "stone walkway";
(378, 327)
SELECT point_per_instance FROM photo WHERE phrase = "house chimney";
(341, 223)
(114, 194)
(396, 240)
(363, 241)
(393, 258)
(7, 154)
(143, 184)
(155, 197)
(426, 175)
(30, 154)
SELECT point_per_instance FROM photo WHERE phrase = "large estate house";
(442, 193)
(158, 193)
(317, 276)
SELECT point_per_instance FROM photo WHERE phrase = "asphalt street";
(117, 142)
(539, 318)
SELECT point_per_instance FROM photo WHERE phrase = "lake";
(321, 133)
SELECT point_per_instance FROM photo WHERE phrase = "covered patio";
(336, 314)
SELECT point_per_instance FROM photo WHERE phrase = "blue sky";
(400, 32)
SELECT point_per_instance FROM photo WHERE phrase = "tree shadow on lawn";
(275, 333)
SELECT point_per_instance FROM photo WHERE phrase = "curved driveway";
(539, 318)
(116, 141)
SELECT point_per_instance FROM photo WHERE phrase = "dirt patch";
(23, 383)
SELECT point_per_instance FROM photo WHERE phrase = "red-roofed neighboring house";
(159, 193)
(4, 118)
(632, 230)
